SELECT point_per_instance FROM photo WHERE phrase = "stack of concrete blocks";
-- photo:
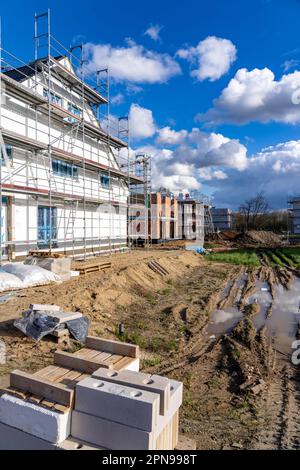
(127, 411)
(40, 405)
(60, 266)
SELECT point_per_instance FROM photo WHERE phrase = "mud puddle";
(280, 316)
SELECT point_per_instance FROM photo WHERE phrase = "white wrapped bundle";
(9, 281)
(30, 275)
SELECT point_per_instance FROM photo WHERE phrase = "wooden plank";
(85, 365)
(122, 363)
(103, 356)
(86, 353)
(71, 378)
(111, 346)
(42, 387)
(45, 371)
(15, 392)
(61, 408)
(34, 399)
(113, 359)
(47, 404)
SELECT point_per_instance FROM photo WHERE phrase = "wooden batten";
(114, 347)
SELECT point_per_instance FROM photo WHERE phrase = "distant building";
(190, 218)
(222, 219)
(294, 211)
(157, 220)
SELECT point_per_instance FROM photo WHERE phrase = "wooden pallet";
(53, 387)
(92, 268)
(45, 254)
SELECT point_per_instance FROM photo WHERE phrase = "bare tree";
(253, 211)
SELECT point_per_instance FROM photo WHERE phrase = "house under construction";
(191, 216)
(65, 173)
(294, 215)
(153, 218)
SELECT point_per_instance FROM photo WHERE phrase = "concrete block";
(147, 382)
(114, 402)
(108, 434)
(34, 419)
(166, 431)
(134, 365)
(14, 439)
(44, 307)
(60, 266)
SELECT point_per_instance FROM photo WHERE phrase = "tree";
(253, 211)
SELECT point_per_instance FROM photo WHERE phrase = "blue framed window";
(53, 97)
(9, 151)
(47, 226)
(64, 169)
(104, 180)
(74, 110)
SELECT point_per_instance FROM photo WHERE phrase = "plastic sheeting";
(29, 275)
(9, 281)
(36, 324)
(79, 328)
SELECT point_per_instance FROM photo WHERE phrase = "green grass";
(246, 257)
(293, 254)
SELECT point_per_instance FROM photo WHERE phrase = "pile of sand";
(262, 237)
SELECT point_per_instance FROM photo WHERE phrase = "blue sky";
(170, 62)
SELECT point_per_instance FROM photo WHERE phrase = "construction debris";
(112, 406)
(157, 268)
(41, 320)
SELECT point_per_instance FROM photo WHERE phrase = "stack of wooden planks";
(92, 268)
(53, 387)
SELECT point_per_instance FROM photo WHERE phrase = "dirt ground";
(237, 392)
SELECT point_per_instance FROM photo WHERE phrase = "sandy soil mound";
(260, 237)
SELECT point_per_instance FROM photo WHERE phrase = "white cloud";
(153, 32)
(168, 136)
(212, 58)
(132, 63)
(256, 96)
(141, 122)
(275, 170)
(117, 99)
(290, 64)
(182, 160)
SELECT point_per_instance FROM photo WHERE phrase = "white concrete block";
(14, 439)
(108, 434)
(34, 419)
(134, 365)
(147, 382)
(175, 403)
(125, 405)
(45, 307)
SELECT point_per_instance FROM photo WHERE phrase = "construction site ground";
(240, 389)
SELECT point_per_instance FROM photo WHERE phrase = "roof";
(26, 71)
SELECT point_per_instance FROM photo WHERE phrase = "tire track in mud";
(280, 428)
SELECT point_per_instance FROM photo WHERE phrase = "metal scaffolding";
(73, 199)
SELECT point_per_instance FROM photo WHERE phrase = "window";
(74, 110)
(53, 97)
(9, 151)
(64, 169)
(104, 180)
(47, 226)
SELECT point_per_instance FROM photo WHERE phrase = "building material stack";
(95, 396)
(127, 410)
